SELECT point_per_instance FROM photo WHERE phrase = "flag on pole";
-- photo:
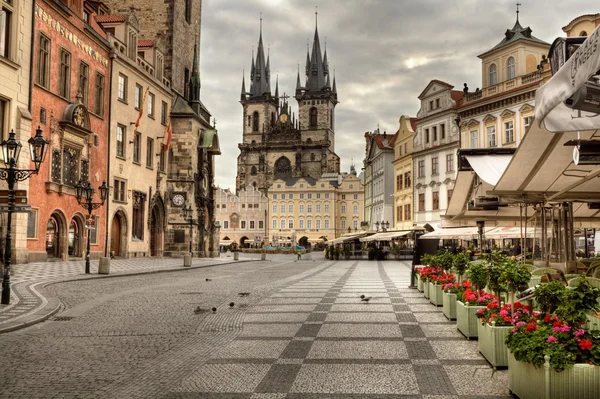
(169, 134)
(143, 102)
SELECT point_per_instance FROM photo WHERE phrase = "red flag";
(169, 136)
(143, 102)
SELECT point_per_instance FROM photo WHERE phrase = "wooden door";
(115, 237)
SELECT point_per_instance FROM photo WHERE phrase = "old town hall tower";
(276, 144)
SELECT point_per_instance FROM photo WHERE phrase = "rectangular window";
(407, 215)
(186, 79)
(274, 223)
(443, 131)
(290, 223)
(282, 208)
(326, 208)
(355, 196)
(318, 195)
(343, 224)
(301, 208)
(399, 213)
(343, 209)
(421, 168)
(407, 182)
(434, 131)
(436, 200)
(318, 208)
(84, 81)
(509, 132)
(5, 27)
(422, 202)
(474, 139)
(309, 224)
(163, 113)
(121, 141)
(355, 209)
(326, 195)
(301, 224)
(326, 223)
(291, 196)
(449, 163)
(243, 224)
(32, 223)
(137, 230)
(426, 136)
(43, 75)
(161, 161)
(119, 190)
(309, 208)
(282, 225)
(274, 196)
(527, 122)
(491, 136)
(398, 182)
(309, 196)
(434, 165)
(430, 105)
(291, 208)
(226, 224)
(137, 144)
(301, 196)
(64, 85)
(437, 103)
(274, 209)
(261, 224)
(151, 105)
(137, 96)
(99, 95)
(122, 88)
(318, 224)
(343, 196)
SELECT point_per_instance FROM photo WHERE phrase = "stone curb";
(53, 304)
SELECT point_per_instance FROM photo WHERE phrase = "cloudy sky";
(384, 53)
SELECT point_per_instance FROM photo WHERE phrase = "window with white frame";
(243, 225)
(318, 224)
(274, 223)
(122, 88)
(326, 195)
(343, 209)
(301, 195)
(493, 75)
(355, 209)
(509, 132)
(252, 225)
(474, 139)
(309, 208)
(301, 208)
(290, 223)
(527, 122)
(318, 195)
(449, 163)
(343, 224)
(261, 224)
(510, 68)
(226, 224)
(326, 223)
(301, 224)
(309, 196)
(355, 224)
(326, 208)
(282, 208)
(282, 224)
(274, 208)
(291, 208)
(491, 136)
(421, 168)
(274, 196)
(309, 224)
(355, 196)
(318, 208)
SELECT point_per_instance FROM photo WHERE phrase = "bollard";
(228, 254)
(104, 266)
(263, 256)
(236, 256)
(187, 260)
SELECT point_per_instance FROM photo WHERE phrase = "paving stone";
(343, 330)
(270, 330)
(279, 378)
(297, 349)
(478, 381)
(432, 379)
(455, 349)
(357, 350)
(361, 318)
(250, 349)
(225, 378)
(309, 330)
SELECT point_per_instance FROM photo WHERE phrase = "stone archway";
(243, 241)
(157, 217)
(76, 238)
(56, 236)
(303, 241)
(118, 234)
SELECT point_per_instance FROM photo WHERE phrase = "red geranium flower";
(585, 344)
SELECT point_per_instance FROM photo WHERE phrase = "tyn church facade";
(276, 144)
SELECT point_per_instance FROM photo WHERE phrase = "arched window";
(309, 141)
(253, 171)
(254, 184)
(255, 121)
(583, 33)
(510, 68)
(493, 75)
(313, 117)
(283, 168)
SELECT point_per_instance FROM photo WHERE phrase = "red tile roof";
(457, 96)
(413, 124)
(110, 18)
(145, 43)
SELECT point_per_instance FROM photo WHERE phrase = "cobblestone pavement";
(30, 305)
(301, 332)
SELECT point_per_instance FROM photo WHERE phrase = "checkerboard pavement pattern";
(315, 338)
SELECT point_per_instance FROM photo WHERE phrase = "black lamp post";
(385, 226)
(85, 197)
(187, 214)
(11, 149)
(377, 225)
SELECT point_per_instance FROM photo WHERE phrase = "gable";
(434, 87)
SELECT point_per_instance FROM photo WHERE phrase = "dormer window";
(510, 68)
(493, 75)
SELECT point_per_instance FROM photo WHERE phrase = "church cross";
(518, 5)
(284, 97)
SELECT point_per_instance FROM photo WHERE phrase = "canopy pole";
(544, 245)
(553, 237)
(521, 229)
(560, 243)
(525, 237)
(571, 232)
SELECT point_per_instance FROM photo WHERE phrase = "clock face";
(283, 117)
(178, 200)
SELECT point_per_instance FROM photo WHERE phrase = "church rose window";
(283, 168)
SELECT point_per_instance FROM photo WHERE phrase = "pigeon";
(208, 279)
(243, 294)
(362, 296)
(366, 299)
(231, 304)
(214, 310)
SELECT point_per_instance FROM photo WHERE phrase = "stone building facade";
(436, 142)
(350, 203)
(379, 178)
(139, 128)
(71, 59)
(242, 217)
(15, 84)
(403, 169)
(175, 23)
(276, 144)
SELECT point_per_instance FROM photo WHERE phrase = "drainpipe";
(107, 209)
(29, 105)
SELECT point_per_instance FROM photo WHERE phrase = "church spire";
(298, 84)
(194, 83)
(277, 87)
(243, 93)
(316, 71)
(260, 79)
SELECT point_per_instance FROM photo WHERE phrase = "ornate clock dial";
(178, 200)
(283, 117)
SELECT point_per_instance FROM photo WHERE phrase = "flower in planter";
(501, 316)
(478, 298)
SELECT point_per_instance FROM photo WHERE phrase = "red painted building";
(71, 69)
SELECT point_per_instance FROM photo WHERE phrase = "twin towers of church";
(276, 144)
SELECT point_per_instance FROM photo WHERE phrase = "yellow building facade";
(582, 25)
(403, 169)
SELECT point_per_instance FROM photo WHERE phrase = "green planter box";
(491, 343)
(435, 294)
(449, 305)
(419, 284)
(582, 381)
(426, 289)
(593, 323)
(466, 319)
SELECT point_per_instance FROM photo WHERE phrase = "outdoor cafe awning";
(347, 237)
(385, 236)
(515, 232)
(456, 233)
(225, 243)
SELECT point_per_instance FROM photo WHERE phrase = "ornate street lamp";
(377, 225)
(85, 196)
(11, 149)
(387, 225)
(187, 215)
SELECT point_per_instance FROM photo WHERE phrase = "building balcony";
(501, 87)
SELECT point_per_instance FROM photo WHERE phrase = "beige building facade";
(15, 57)
(498, 115)
(582, 25)
(242, 217)
(403, 169)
